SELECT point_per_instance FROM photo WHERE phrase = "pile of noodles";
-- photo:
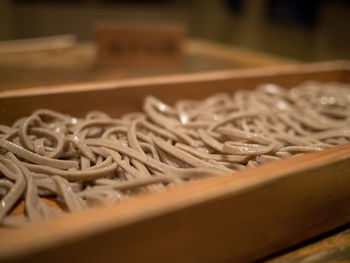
(99, 159)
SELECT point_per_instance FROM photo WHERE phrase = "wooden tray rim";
(179, 78)
(21, 241)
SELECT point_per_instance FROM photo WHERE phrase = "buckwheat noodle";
(98, 159)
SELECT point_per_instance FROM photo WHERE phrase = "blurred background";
(304, 30)
(56, 42)
(233, 33)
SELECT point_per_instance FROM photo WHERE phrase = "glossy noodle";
(98, 159)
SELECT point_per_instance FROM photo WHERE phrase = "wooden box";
(242, 217)
(139, 45)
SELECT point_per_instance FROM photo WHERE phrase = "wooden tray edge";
(72, 228)
(181, 78)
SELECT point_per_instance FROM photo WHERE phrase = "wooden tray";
(241, 217)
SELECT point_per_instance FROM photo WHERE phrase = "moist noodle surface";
(99, 159)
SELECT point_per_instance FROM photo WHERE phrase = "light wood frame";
(235, 218)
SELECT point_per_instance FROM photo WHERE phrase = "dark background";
(306, 30)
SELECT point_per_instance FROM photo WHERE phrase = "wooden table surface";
(78, 65)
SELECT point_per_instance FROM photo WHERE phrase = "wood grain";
(331, 248)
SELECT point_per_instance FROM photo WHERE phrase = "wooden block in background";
(139, 45)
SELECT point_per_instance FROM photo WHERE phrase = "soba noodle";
(99, 159)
